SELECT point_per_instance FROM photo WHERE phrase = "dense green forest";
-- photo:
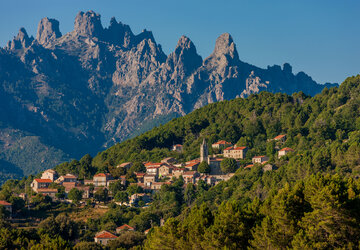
(311, 201)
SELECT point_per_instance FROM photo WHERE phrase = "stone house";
(6, 205)
(153, 170)
(140, 177)
(135, 198)
(284, 151)
(49, 174)
(176, 172)
(190, 176)
(104, 237)
(102, 180)
(149, 179)
(66, 178)
(260, 159)
(124, 228)
(235, 152)
(221, 144)
(280, 138)
(165, 170)
(40, 183)
(51, 192)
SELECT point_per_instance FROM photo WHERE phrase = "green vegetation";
(228, 165)
(312, 200)
(203, 167)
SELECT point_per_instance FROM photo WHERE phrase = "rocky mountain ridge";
(92, 87)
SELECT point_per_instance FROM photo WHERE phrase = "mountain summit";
(69, 94)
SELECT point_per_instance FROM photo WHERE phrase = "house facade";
(260, 159)
(235, 152)
(284, 151)
(104, 237)
(221, 144)
(49, 174)
(102, 180)
(40, 183)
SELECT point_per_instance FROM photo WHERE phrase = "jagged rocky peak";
(22, 40)
(185, 55)
(225, 46)
(119, 34)
(145, 35)
(88, 24)
(48, 30)
(287, 68)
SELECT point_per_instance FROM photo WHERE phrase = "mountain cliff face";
(67, 95)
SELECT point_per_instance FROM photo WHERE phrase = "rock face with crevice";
(95, 86)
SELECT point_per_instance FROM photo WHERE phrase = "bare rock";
(48, 30)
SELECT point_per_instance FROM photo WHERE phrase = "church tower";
(204, 153)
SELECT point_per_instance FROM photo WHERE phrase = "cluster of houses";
(159, 173)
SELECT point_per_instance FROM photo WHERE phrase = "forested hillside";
(311, 201)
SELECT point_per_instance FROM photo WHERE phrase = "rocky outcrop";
(95, 86)
(48, 31)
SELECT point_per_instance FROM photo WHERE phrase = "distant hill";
(64, 95)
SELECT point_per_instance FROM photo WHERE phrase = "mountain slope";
(92, 87)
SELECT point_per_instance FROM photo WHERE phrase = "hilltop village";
(143, 184)
(156, 174)
(208, 169)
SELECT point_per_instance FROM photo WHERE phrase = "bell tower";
(204, 153)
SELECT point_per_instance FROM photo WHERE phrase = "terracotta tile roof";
(286, 149)
(69, 176)
(229, 148)
(261, 156)
(221, 142)
(152, 164)
(239, 148)
(140, 174)
(192, 164)
(43, 180)
(249, 166)
(5, 203)
(125, 226)
(177, 145)
(101, 175)
(279, 137)
(105, 235)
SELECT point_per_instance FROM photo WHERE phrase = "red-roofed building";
(6, 205)
(260, 159)
(51, 192)
(192, 166)
(123, 228)
(102, 180)
(281, 138)
(140, 177)
(235, 152)
(66, 178)
(40, 183)
(284, 151)
(190, 176)
(221, 144)
(104, 237)
(165, 170)
(149, 179)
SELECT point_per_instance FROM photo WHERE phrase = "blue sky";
(321, 38)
